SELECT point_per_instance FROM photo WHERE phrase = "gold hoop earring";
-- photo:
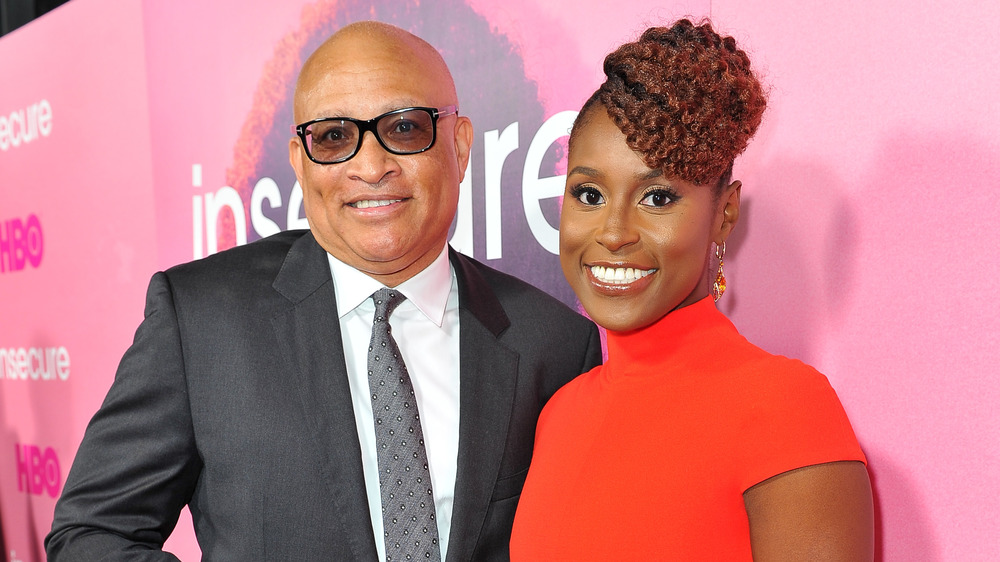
(719, 286)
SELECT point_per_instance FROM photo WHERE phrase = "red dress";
(647, 457)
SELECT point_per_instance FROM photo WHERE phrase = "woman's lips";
(618, 275)
(618, 281)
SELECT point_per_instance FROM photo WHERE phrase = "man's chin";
(384, 264)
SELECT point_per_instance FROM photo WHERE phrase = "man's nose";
(373, 162)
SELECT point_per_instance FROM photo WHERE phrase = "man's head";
(385, 214)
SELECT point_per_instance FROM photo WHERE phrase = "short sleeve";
(792, 419)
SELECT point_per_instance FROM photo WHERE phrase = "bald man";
(246, 394)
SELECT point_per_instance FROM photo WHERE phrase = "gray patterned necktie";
(405, 483)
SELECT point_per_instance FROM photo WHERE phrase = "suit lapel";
(308, 332)
(488, 379)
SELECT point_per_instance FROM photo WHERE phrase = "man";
(245, 397)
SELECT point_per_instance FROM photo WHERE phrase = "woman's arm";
(822, 512)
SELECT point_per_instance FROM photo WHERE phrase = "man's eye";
(330, 135)
(406, 129)
(403, 127)
(333, 134)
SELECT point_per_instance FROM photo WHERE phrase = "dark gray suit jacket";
(234, 399)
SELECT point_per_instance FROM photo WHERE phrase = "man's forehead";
(376, 62)
(363, 92)
(367, 62)
(374, 41)
(353, 79)
(334, 107)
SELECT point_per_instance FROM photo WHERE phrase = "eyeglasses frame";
(365, 125)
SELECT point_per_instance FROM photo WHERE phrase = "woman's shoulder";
(777, 387)
(755, 367)
(790, 416)
(770, 369)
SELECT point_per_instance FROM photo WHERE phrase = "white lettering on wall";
(534, 188)
(497, 148)
(22, 126)
(265, 190)
(34, 363)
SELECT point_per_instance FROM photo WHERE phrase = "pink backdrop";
(862, 251)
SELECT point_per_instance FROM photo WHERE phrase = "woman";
(689, 443)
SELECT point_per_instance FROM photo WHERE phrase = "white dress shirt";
(425, 327)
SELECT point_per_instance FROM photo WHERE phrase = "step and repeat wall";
(135, 135)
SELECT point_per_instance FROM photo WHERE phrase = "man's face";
(385, 214)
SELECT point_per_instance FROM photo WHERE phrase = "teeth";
(369, 203)
(618, 275)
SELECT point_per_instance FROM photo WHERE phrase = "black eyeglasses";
(331, 140)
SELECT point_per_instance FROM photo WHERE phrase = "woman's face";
(634, 244)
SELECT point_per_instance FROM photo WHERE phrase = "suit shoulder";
(261, 256)
(518, 297)
(238, 276)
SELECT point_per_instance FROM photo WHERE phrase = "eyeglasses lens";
(332, 140)
(405, 132)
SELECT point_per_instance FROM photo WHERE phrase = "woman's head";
(685, 98)
(647, 188)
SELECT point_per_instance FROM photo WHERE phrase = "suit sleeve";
(595, 353)
(137, 465)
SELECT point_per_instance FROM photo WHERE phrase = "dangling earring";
(719, 286)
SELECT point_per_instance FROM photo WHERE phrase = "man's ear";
(463, 144)
(295, 155)
(729, 213)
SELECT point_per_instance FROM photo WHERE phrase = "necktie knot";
(386, 301)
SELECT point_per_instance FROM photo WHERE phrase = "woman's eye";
(657, 198)
(588, 196)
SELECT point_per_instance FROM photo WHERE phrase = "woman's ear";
(729, 212)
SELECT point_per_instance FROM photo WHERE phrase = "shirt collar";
(427, 290)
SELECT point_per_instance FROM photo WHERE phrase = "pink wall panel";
(867, 250)
(87, 182)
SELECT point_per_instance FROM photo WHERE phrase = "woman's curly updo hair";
(685, 98)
